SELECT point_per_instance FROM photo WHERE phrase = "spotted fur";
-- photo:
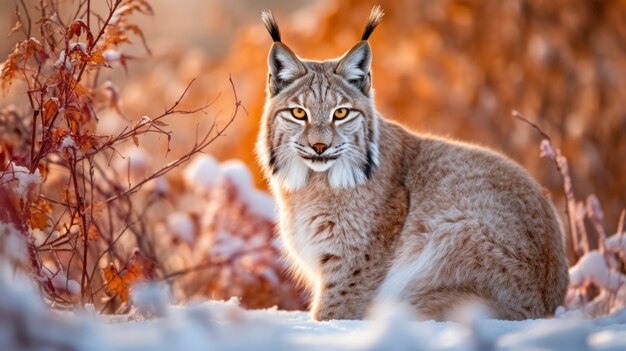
(386, 213)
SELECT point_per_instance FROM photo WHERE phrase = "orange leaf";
(72, 114)
(38, 220)
(10, 65)
(87, 143)
(135, 140)
(74, 126)
(117, 40)
(97, 58)
(38, 217)
(143, 266)
(44, 174)
(138, 268)
(43, 205)
(133, 273)
(50, 108)
(115, 283)
(80, 89)
(93, 234)
(58, 134)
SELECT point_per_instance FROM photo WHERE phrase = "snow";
(237, 172)
(156, 324)
(145, 120)
(150, 300)
(260, 202)
(12, 243)
(22, 176)
(138, 161)
(225, 246)
(68, 141)
(592, 267)
(82, 47)
(181, 225)
(616, 242)
(112, 55)
(159, 186)
(60, 282)
(38, 235)
(69, 147)
(62, 62)
(202, 173)
(205, 172)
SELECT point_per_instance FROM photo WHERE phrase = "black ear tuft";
(375, 17)
(270, 24)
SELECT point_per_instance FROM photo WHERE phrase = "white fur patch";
(301, 252)
(292, 173)
(303, 244)
(403, 273)
(344, 174)
(262, 150)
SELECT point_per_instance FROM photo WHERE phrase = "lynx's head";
(319, 115)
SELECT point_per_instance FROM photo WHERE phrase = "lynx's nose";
(319, 148)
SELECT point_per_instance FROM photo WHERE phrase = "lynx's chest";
(312, 228)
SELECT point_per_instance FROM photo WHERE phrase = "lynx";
(369, 210)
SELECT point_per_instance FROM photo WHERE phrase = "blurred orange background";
(454, 68)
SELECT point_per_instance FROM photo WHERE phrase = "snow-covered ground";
(27, 323)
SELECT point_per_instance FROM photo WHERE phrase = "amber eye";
(298, 113)
(341, 113)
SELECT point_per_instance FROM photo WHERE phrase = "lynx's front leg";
(343, 291)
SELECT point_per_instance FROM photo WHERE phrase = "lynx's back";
(370, 210)
(481, 230)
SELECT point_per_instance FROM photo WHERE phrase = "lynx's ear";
(354, 66)
(284, 66)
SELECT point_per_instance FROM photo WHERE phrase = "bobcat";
(370, 210)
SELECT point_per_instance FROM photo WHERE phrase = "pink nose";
(319, 148)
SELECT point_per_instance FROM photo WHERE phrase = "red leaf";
(76, 28)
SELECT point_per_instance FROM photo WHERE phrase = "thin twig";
(561, 165)
(211, 264)
(198, 147)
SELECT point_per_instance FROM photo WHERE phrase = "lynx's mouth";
(320, 159)
(319, 163)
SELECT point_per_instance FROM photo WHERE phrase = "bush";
(92, 209)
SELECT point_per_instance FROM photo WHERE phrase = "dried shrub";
(86, 202)
(598, 275)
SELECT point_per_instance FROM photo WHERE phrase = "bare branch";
(198, 147)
